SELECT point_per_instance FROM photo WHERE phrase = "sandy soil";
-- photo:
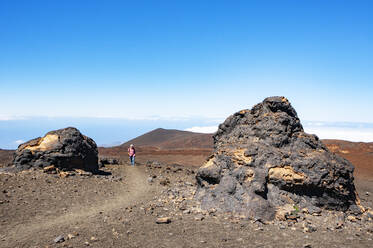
(120, 209)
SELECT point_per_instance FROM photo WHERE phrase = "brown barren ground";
(120, 209)
(6, 157)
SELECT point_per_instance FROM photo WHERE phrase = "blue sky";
(184, 59)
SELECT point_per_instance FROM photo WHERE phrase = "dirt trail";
(134, 189)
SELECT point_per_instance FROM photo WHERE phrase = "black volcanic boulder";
(64, 148)
(264, 163)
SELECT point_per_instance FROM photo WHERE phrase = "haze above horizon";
(185, 59)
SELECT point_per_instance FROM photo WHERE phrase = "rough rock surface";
(64, 148)
(264, 164)
(106, 161)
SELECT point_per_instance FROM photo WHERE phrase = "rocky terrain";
(161, 202)
(121, 208)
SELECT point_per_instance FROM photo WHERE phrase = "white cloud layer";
(11, 118)
(18, 142)
(357, 134)
(207, 129)
(351, 134)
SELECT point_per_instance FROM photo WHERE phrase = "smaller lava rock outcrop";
(264, 163)
(66, 149)
(105, 161)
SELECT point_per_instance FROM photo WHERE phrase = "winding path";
(133, 190)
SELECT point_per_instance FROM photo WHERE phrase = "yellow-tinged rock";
(209, 163)
(351, 218)
(49, 169)
(44, 143)
(64, 174)
(283, 211)
(164, 220)
(286, 174)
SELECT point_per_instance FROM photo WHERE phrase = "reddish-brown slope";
(171, 139)
(6, 157)
(359, 154)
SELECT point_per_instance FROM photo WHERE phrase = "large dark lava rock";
(263, 162)
(64, 148)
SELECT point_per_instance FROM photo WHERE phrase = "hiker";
(132, 154)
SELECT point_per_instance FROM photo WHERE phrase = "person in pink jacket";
(132, 154)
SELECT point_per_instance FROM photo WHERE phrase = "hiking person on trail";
(132, 154)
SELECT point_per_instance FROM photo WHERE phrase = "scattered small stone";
(117, 179)
(64, 174)
(49, 169)
(316, 211)
(115, 233)
(212, 211)
(339, 225)
(199, 218)
(150, 179)
(59, 239)
(188, 184)
(83, 173)
(351, 218)
(164, 182)
(369, 213)
(367, 193)
(164, 220)
(292, 217)
(94, 239)
(70, 236)
(309, 228)
(307, 246)
(87, 243)
(186, 211)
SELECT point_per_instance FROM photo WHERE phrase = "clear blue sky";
(136, 59)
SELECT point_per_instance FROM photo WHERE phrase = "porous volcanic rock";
(64, 148)
(263, 162)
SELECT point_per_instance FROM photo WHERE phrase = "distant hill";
(171, 139)
(165, 142)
